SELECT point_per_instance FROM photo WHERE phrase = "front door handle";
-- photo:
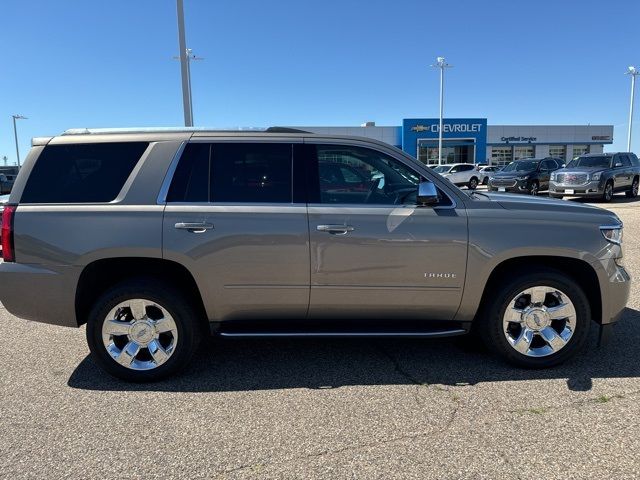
(335, 229)
(194, 227)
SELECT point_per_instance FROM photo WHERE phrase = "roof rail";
(285, 130)
(95, 131)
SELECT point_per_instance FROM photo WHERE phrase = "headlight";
(612, 233)
(596, 176)
(522, 178)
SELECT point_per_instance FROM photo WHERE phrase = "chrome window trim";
(164, 189)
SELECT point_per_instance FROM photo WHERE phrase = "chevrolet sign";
(449, 128)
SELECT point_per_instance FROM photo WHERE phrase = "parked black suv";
(528, 175)
(597, 175)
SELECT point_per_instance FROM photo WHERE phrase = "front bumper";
(520, 186)
(589, 189)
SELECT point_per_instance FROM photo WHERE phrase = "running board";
(432, 334)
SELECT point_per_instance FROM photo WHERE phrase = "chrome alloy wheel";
(139, 334)
(539, 321)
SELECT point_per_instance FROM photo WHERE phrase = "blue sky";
(77, 63)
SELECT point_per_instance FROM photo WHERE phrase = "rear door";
(621, 172)
(374, 253)
(235, 219)
(628, 170)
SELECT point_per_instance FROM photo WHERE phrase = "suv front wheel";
(537, 320)
(142, 330)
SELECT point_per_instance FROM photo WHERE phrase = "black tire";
(172, 300)
(473, 183)
(490, 327)
(534, 188)
(633, 192)
(559, 197)
(607, 195)
(485, 180)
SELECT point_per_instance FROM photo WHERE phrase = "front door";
(232, 219)
(374, 253)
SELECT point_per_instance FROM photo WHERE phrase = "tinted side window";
(634, 160)
(251, 172)
(81, 173)
(625, 160)
(374, 178)
(190, 182)
(465, 168)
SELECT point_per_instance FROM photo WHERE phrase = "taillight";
(8, 254)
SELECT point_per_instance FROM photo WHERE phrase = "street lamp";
(190, 57)
(185, 58)
(633, 71)
(441, 64)
(15, 134)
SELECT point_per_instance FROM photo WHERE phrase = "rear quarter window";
(82, 173)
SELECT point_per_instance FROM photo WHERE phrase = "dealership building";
(471, 140)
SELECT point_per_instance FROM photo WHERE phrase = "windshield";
(442, 168)
(521, 166)
(600, 162)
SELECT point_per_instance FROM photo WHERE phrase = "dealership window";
(501, 155)
(558, 151)
(525, 151)
(453, 151)
(580, 150)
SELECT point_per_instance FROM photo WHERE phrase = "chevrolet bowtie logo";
(420, 128)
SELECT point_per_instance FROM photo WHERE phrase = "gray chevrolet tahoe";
(155, 239)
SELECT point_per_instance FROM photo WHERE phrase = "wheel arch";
(580, 271)
(98, 276)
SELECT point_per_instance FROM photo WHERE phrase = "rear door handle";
(335, 229)
(194, 227)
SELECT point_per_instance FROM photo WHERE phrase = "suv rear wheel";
(142, 330)
(538, 320)
(473, 183)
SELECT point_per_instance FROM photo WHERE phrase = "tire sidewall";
(633, 193)
(492, 330)
(171, 300)
(608, 187)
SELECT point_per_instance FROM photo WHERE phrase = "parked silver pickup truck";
(157, 238)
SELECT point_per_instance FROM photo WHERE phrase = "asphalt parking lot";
(325, 408)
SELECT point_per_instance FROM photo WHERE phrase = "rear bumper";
(40, 294)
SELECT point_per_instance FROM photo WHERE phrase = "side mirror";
(618, 164)
(427, 193)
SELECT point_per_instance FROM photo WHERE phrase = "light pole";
(190, 56)
(633, 71)
(184, 67)
(15, 134)
(441, 64)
